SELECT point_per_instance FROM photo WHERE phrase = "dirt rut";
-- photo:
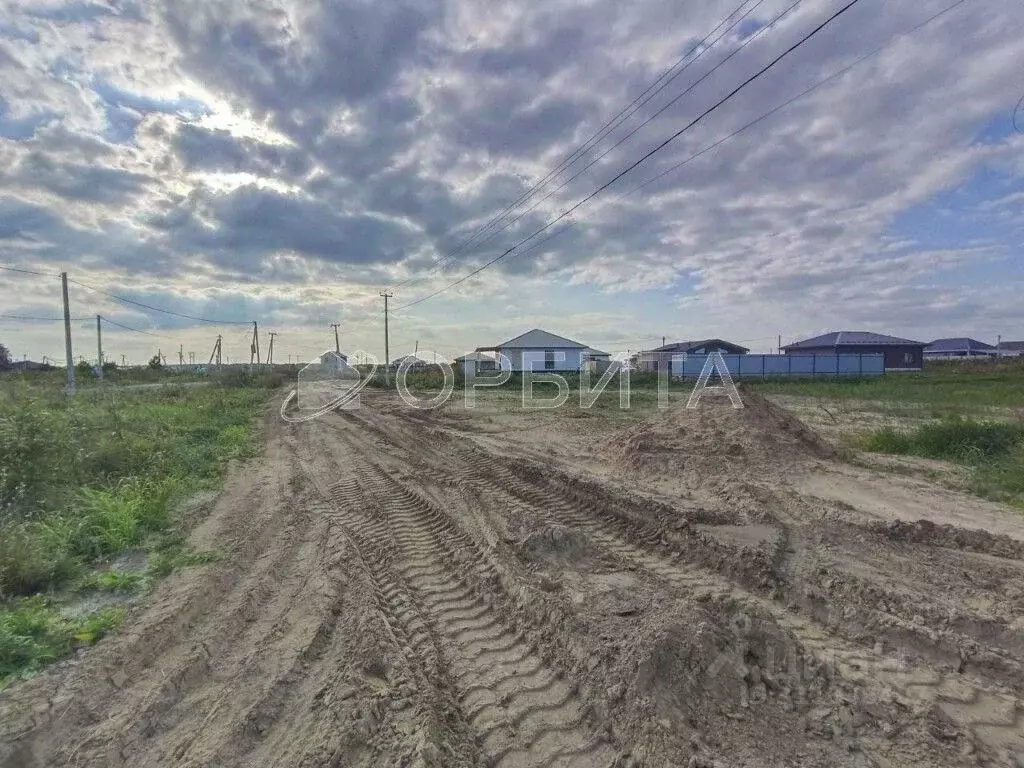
(399, 591)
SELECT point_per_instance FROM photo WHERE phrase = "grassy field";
(970, 416)
(91, 482)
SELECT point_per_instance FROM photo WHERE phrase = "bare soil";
(494, 587)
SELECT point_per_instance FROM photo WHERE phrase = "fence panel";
(776, 366)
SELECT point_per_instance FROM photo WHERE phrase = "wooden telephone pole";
(99, 347)
(67, 334)
(215, 353)
(337, 343)
(254, 350)
(387, 349)
(270, 352)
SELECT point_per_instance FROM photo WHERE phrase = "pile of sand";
(716, 439)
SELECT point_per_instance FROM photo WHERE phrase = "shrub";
(33, 634)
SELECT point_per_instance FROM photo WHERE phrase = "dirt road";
(485, 588)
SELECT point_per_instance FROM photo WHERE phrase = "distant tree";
(109, 367)
(83, 367)
(5, 358)
(155, 363)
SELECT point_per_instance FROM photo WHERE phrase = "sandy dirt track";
(498, 588)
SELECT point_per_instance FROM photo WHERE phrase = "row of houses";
(540, 350)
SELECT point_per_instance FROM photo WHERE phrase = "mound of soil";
(714, 439)
(951, 536)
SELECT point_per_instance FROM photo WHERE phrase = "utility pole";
(387, 350)
(778, 349)
(181, 355)
(254, 350)
(67, 333)
(192, 358)
(999, 346)
(215, 353)
(99, 347)
(337, 344)
(663, 341)
(270, 352)
(124, 361)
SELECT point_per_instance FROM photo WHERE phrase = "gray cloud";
(279, 142)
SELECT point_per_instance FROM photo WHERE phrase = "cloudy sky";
(287, 160)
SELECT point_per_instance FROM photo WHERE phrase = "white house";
(474, 362)
(539, 350)
(334, 361)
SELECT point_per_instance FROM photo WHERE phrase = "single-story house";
(1011, 348)
(538, 350)
(660, 358)
(413, 363)
(334, 361)
(961, 347)
(475, 362)
(29, 365)
(900, 354)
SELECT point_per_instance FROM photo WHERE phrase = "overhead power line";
(804, 93)
(634, 131)
(158, 309)
(628, 111)
(750, 39)
(28, 272)
(43, 319)
(134, 330)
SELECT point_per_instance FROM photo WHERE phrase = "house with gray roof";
(941, 349)
(660, 358)
(538, 350)
(900, 354)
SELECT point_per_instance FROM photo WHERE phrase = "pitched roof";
(1012, 346)
(689, 346)
(474, 357)
(413, 360)
(596, 352)
(852, 338)
(330, 354)
(959, 345)
(538, 339)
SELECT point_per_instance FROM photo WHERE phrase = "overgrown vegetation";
(948, 387)
(993, 451)
(87, 478)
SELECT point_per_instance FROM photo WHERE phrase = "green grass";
(34, 633)
(994, 452)
(946, 387)
(83, 479)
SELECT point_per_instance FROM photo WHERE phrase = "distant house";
(475, 362)
(660, 358)
(412, 363)
(334, 361)
(960, 347)
(538, 350)
(900, 354)
(1011, 348)
(29, 365)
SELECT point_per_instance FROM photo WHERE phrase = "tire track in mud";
(992, 714)
(521, 711)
